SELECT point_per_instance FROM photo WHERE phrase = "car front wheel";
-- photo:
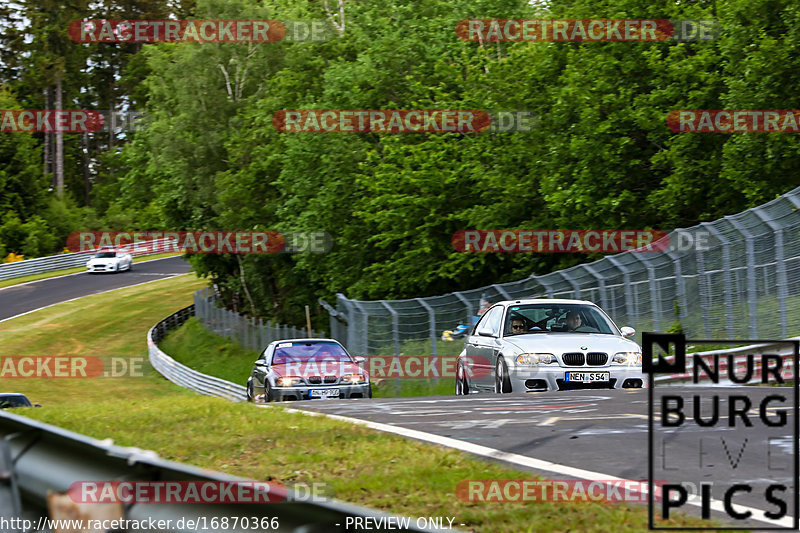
(502, 381)
(462, 385)
(250, 395)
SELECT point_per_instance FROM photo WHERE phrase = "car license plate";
(324, 393)
(587, 377)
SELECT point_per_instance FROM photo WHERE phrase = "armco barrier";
(40, 265)
(41, 459)
(183, 375)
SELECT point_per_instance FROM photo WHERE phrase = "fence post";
(601, 285)
(630, 310)
(704, 287)
(365, 336)
(726, 277)
(395, 327)
(548, 289)
(502, 291)
(470, 312)
(752, 295)
(680, 284)
(432, 320)
(575, 286)
(655, 307)
(781, 284)
(395, 336)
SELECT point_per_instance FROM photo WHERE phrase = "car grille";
(596, 358)
(573, 359)
(316, 380)
(573, 385)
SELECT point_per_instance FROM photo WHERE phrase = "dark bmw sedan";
(307, 369)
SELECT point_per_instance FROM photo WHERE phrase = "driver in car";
(517, 326)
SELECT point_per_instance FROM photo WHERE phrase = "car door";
(482, 347)
(260, 369)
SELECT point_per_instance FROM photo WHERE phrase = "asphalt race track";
(18, 299)
(602, 431)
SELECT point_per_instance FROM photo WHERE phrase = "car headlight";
(354, 378)
(533, 359)
(288, 381)
(627, 358)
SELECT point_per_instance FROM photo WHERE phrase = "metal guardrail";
(40, 265)
(45, 458)
(183, 375)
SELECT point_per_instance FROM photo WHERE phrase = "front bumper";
(101, 268)
(303, 392)
(553, 378)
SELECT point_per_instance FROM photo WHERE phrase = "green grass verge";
(360, 465)
(56, 273)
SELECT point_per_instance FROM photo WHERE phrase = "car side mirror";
(485, 331)
(37, 405)
(261, 362)
(360, 359)
(628, 331)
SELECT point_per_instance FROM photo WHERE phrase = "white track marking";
(529, 462)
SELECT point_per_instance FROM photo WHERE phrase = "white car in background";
(548, 345)
(109, 260)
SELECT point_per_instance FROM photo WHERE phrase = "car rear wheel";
(502, 381)
(462, 385)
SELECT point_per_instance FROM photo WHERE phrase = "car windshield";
(298, 352)
(557, 318)
(8, 402)
(104, 255)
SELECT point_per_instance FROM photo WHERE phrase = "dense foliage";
(601, 156)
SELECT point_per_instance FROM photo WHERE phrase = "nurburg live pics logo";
(737, 444)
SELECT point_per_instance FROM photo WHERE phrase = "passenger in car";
(574, 323)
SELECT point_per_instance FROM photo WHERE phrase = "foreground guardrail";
(40, 459)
